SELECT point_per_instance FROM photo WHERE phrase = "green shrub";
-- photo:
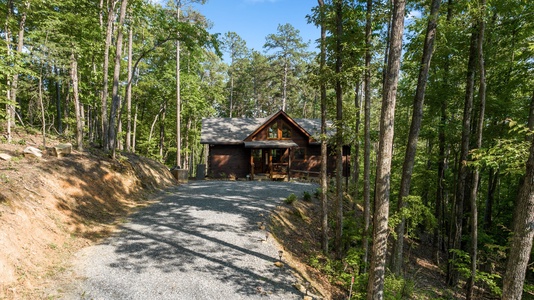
(290, 199)
(317, 193)
(306, 196)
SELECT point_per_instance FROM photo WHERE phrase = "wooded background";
(439, 109)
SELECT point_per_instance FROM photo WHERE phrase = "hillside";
(50, 207)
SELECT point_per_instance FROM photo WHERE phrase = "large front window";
(279, 131)
(273, 131)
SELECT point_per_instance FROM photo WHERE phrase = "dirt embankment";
(50, 207)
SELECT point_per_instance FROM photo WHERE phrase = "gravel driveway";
(201, 241)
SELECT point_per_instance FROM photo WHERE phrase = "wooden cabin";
(276, 147)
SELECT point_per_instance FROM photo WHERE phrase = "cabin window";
(300, 154)
(286, 132)
(273, 131)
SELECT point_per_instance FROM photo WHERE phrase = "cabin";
(276, 147)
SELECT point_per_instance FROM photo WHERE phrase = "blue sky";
(253, 20)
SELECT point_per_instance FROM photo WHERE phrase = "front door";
(261, 160)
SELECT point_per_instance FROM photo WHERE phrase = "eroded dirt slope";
(50, 207)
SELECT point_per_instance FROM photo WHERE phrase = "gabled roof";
(273, 117)
(236, 130)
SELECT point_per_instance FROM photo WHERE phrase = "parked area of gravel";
(203, 240)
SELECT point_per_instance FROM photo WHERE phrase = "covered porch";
(271, 159)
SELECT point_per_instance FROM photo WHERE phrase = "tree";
(116, 101)
(411, 148)
(452, 271)
(522, 235)
(236, 48)
(339, 125)
(291, 51)
(104, 98)
(367, 138)
(375, 287)
(324, 178)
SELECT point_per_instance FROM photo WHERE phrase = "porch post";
(251, 165)
(270, 163)
(289, 164)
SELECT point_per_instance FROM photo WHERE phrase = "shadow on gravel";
(211, 230)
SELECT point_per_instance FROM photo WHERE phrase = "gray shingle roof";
(235, 130)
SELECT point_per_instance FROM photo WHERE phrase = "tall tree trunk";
(79, 122)
(367, 139)
(134, 137)
(58, 103)
(41, 104)
(531, 116)
(375, 287)
(129, 91)
(452, 272)
(20, 46)
(104, 100)
(178, 99)
(116, 103)
(284, 85)
(492, 186)
(162, 130)
(339, 129)
(356, 174)
(522, 236)
(411, 147)
(9, 105)
(324, 152)
(440, 229)
(476, 171)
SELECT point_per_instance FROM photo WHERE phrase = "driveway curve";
(202, 240)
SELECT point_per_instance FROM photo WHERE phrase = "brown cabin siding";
(226, 160)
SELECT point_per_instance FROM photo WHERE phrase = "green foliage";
(317, 193)
(415, 213)
(306, 196)
(506, 154)
(397, 288)
(290, 199)
(462, 263)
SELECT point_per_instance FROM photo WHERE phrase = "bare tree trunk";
(356, 174)
(339, 129)
(43, 120)
(79, 122)
(531, 116)
(116, 102)
(324, 154)
(129, 91)
(104, 100)
(452, 272)
(439, 231)
(284, 84)
(162, 130)
(375, 287)
(476, 171)
(134, 138)
(9, 106)
(20, 46)
(522, 236)
(178, 99)
(411, 148)
(152, 126)
(367, 139)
